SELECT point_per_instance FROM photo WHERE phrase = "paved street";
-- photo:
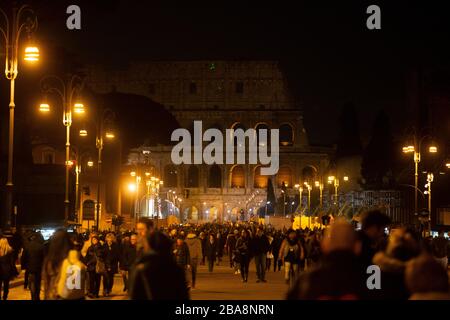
(222, 284)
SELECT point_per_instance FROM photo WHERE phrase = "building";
(223, 95)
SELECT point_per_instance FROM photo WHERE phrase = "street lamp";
(78, 170)
(106, 115)
(415, 149)
(300, 190)
(66, 91)
(430, 179)
(335, 182)
(22, 19)
(319, 185)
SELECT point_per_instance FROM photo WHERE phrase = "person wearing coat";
(195, 251)
(33, 259)
(95, 262)
(243, 253)
(7, 267)
(128, 259)
(156, 275)
(181, 253)
(112, 255)
(211, 251)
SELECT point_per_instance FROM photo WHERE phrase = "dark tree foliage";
(378, 156)
(349, 142)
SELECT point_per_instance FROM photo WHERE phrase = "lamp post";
(415, 148)
(430, 179)
(78, 170)
(320, 186)
(267, 203)
(66, 90)
(106, 115)
(22, 19)
(336, 183)
(300, 191)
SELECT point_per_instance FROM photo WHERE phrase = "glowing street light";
(78, 108)
(31, 54)
(44, 107)
(83, 133)
(90, 163)
(132, 187)
(110, 135)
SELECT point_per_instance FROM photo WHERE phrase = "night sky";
(328, 54)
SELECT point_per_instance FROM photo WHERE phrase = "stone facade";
(223, 95)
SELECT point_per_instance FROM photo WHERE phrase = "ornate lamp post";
(66, 91)
(22, 19)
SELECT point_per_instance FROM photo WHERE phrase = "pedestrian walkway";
(222, 284)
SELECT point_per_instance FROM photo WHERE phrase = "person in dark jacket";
(127, 260)
(276, 245)
(211, 251)
(7, 267)
(112, 256)
(95, 258)
(243, 252)
(402, 247)
(156, 275)
(181, 254)
(230, 246)
(341, 276)
(372, 234)
(260, 247)
(220, 247)
(33, 259)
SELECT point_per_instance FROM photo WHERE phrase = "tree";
(349, 141)
(270, 197)
(377, 162)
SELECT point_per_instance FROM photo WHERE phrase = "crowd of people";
(162, 263)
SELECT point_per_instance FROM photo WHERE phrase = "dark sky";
(328, 53)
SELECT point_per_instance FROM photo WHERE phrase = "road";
(221, 284)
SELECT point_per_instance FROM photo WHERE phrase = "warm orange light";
(83, 133)
(90, 163)
(31, 54)
(44, 107)
(345, 178)
(133, 173)
(69, 163)
(317, 183)
(110, 135)
(132, 187)
(432, 149)
(408, 149)
(78, 108)
(447, 165)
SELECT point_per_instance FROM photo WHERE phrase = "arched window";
(235, 127)
(170, 176)
(192, 179)
(284, 175)
(286, 135)
(238, 177)
(215, 177)
(309, 174)
(259, 181)
(261, 126)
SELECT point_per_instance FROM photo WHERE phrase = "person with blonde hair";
(7, 268)
(112, 256)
